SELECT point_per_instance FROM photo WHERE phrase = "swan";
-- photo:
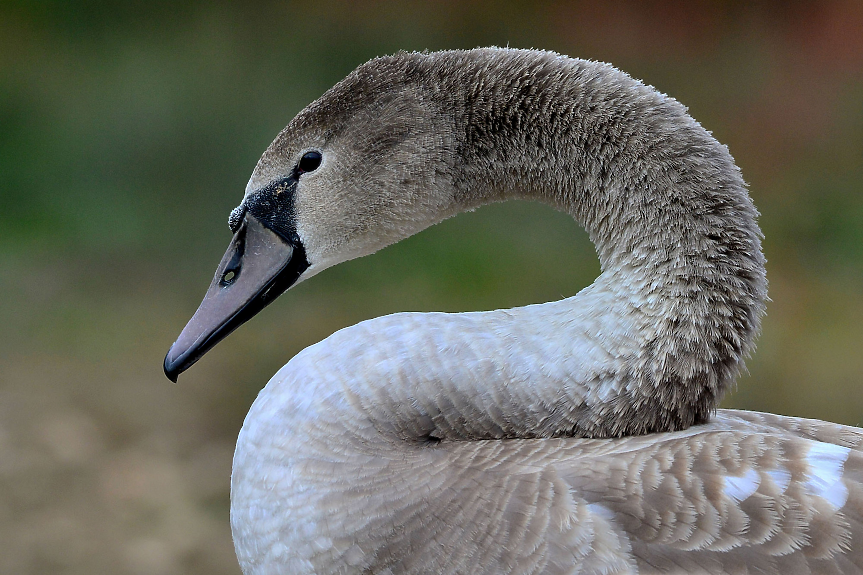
(575, 436)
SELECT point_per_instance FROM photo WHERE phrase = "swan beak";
(257, 268)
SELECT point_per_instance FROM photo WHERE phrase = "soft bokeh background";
(128, 131)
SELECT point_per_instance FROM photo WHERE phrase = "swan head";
(361, 168)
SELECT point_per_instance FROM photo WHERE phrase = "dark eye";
(309, 162)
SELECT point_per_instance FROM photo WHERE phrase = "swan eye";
(309, 162)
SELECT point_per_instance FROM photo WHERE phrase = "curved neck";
(651, 346)
(662, 200)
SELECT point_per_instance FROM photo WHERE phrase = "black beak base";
(257, 268)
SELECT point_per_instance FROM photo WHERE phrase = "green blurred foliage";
(128, 131)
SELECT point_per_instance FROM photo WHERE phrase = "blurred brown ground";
(127, 133)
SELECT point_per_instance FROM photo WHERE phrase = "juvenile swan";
(578, 436)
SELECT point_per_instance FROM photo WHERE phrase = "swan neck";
(651, 346)
(661, 199)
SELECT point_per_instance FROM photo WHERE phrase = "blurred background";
(128, 131)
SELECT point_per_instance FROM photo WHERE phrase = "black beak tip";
(172, 368)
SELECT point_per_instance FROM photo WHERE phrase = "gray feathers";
(476, 443)
(420, 137)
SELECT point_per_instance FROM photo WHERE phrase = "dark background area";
(128, 131)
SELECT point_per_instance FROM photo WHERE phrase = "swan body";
(577, 436)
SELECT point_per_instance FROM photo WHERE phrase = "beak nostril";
(229, 277)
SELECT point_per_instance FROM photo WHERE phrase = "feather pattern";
(578, 436)
(745, 493)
